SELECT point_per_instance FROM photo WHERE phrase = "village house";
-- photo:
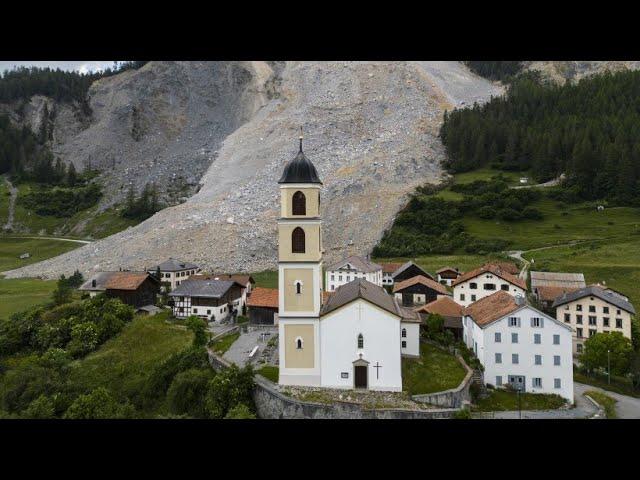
(408, 270)
(418, 290)
(547, 286)
(387, 273)
(353, 338)
(137, 289)
(519, 345)
(447, 275)
(173, 272)
(351, 268)
(594, 309)
(450, 311)
(245, 280)
(484, 281)
(213, 300)
(263, 306)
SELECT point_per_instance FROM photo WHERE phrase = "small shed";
(263, 306)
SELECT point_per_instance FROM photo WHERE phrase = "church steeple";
(300, 138)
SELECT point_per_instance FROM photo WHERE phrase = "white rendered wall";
(339, 346)
(412, 339)
(526, 350)
(464, 289)
(373, 277)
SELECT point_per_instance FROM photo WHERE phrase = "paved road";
(627, 407)
(238, 352)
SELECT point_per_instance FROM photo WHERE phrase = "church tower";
(299, 273)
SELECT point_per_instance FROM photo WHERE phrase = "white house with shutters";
(485, 281)
(519, 345)
(350, 269)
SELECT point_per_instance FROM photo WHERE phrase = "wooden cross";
(377, 366)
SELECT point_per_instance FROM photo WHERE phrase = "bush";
(229, 388)
(240, 411)
(509, 214)
(41, 407)
(532, 213)
(486, 212)
(98, 404)
(462, 414)
(187, 392)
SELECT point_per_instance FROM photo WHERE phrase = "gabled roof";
(239, 278)
(361, 288)
(495, 270)
(408, 264)
(116, 281)
(202, 288)
(360, 264)
(390, 267)
(492, 308)
(263, 297)
(557, 279)
(449, 269)
(173, 265)
(444, 306)
(427, 282)
(508, 267)
(595, 291)
(549, 294)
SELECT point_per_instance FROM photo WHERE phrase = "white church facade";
(357, 338)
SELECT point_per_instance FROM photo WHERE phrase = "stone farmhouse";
(484, 281)
(594, 309)
(173, 272)
(213, 300)
(519, 345)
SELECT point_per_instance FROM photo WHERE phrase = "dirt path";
(13, 192)
(550, 183)
(60, 239)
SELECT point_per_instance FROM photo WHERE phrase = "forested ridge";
(61, 85)
(590, 131)
(496, 70)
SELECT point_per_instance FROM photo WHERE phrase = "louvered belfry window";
(297, 240)
(299, 203)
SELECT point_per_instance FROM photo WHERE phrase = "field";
(513, 178)
(40, 249)
(123, 363)
(502, 400)
(19, 294)
(266, 279)
(435, 371)
(617, 263)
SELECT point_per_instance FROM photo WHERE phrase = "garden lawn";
(124, 362)
(18, 294)
(607, 402)
(40, 249)
(221, 345)
(503, 400)
(266, 279)
(436, 370)
(270, 372)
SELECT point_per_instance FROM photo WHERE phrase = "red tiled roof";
(427, 282)
(126, 280)
(263, 297)
(494, 269)
(549, 294)
(444, 306)
(390, 267)
(491, 308)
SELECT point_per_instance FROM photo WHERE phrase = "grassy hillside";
(19, 294)
(40, 249)
(123, 363)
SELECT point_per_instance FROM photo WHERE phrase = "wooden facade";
(411, 294)
(145, 294)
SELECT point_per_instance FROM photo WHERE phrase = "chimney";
(519, 300)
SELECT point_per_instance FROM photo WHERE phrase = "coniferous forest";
(502, 71)
(590, 131)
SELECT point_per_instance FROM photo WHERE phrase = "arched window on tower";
(299, 343)
(297, 240)
(360, 341)
(298, 287)
(299, 203)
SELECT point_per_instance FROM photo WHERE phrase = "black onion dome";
(300, 170)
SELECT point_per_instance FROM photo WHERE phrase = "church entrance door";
(360, 376)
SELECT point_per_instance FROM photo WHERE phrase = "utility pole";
(608, 367)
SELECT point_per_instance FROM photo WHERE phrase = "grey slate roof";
(595, 291)
(202, 288)
(557, 279)
(300, 170)
(407, 265)
(173, 265)
(361, 264)
(361, 288)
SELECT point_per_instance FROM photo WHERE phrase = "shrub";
(532, 213)
(486, 212)
(240, 411)
(84, 339)
(41, 407)
(187, 392)
(229, 388)
(462, 414)
(508, 214)
(98, 404)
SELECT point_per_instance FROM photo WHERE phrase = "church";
(353, 338)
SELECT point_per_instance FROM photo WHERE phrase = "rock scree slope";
(370, 128)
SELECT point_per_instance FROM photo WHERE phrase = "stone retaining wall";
(453, 398)
(270, 403)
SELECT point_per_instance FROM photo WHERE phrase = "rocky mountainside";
(370, 128)
(560, 71)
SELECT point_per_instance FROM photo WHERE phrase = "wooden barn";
(133, 288)
(418, 291)
(263, 306)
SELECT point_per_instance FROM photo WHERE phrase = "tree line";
(63, 86)
(496, 70)
(590, 131)
(143, 206)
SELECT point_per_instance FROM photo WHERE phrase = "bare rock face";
(560, 71)
(370, 128)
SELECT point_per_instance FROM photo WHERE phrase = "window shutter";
(541, 322)
(518, 320)
(532, 322)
